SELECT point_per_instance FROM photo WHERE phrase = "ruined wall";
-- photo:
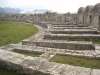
(88, 15)
(80, 16)
(95, 21)
(46, 17)
(96, 16)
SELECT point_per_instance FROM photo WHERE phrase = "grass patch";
(4, 71)
(33, 54)
(96, 41)
(76, 61)
(13, 32)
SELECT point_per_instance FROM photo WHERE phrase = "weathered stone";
(71, 70)
(61, 45)
(95, 72)
(47, 67)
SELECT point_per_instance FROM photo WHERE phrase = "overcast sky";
(61, 6)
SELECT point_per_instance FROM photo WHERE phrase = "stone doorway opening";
(90, 19)
(99, 20)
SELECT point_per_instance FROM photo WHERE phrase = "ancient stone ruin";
(66, 34)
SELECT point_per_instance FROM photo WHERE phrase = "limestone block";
(47, 67)
(71, 70)
(98, 57)
(95, 72)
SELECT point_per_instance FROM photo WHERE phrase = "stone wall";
(80, 16)
(38, 66)
(46, 17)
(89, 16)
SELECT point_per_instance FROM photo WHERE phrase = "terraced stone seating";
(60, 23)
(73, 31)
(71, 28)
(40, 65)
(73, 37)
(63, 25)
(68, 26)
(73, 45)
(63, 39)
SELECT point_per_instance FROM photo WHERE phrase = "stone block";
(95, 72)
(71, 70)
(47, 67)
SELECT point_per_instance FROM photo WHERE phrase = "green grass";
(93, 41)
(13, 32)
(76, 61)
(33, 54)
(4, 71)
(96, 41)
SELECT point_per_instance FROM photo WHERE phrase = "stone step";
(71, 28)
(80, 37)
(73, 31)
(72, 45)
(49, 52)
(68, 25)
(64, 26)
(61, 23)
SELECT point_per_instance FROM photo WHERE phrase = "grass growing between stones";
(33, 54)
(76, 61)
(93, 41)
(96, 41)
(12, 32)
(4, 71)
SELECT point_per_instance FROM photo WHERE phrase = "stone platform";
(73, 31)
(61, 44)
(78, 37)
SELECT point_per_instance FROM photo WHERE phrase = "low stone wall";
(61, 45)
(32, 66)
(71, 28)
(44, 25)
(61, 23)
(72, 37)
(73, 32)
(20, 63)
(55, 25)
